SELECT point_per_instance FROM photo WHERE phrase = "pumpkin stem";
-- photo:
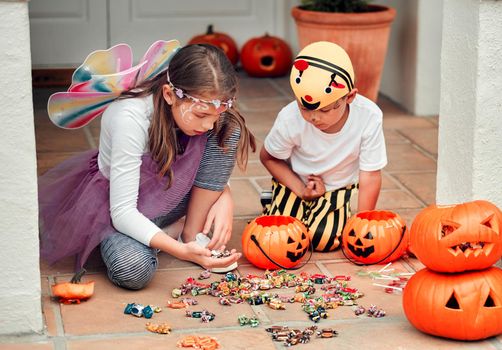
(78, 276)
(209, 30)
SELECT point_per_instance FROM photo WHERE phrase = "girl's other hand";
(314, 188)
(221, 216)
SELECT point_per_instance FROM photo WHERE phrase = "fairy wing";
(103, 62)
(73, 110)
(157, 58)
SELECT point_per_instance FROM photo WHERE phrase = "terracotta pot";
(363, 35)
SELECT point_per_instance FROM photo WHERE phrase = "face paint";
(187, 112)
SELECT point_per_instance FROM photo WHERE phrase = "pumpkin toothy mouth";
(361, 252)
(468, 248)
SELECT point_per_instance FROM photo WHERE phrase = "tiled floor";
(408, 186)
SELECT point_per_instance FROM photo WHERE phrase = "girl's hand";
(202, 256)
(221, 215)
(314, 188)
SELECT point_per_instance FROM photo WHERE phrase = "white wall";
(470, 127)
(19, 274)
(411, 72)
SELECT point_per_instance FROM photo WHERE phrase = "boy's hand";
(314, 188)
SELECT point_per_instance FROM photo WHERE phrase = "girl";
(167, 148)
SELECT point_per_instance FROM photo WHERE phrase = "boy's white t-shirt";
(337, 158)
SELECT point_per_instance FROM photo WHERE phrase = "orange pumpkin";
(266, 56)
(221, 40)
(73, 292)
(374, 237)
(465, 306)
(459, 237)
(275, 241)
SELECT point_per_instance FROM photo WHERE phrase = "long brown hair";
(197, 70)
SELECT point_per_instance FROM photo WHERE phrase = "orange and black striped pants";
(325, 217)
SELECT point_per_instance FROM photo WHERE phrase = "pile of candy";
(291, 337)
(196, 342)
(162, 328)
(253, 289)
(139, 310)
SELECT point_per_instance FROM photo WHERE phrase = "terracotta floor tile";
(255, 87)
(415, 263)
(244, 339)
(384, 333)
(391, 303)
(246, 198)
(423, 185)
(425, 138)
(408, 214)
(271, 103)
(283, 86)
(406, 157)
(254, 168)
(404, 121)
(49, 309)
(396, 199)
(43, 345)
(392, 137)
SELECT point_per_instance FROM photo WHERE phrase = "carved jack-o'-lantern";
(465, 306)
(460, 237)
(266, 56)
(373, 237)
(272, 242)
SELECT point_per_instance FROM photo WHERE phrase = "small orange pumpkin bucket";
(275, 242)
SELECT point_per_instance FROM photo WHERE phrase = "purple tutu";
(74, 200)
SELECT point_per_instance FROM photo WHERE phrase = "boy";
(324, 145)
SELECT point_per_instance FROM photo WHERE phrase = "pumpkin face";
(459, 237)
(266, 56)
(464, 306)
(283, 239)
(71, 293)
(374, 237)
(221, 40)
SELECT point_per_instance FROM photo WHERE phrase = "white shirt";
(338, 157)
(122, 143)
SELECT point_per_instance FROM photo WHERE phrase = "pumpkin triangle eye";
(490, 302)
(452, 303)
(490, 223)
(290, 240)
(352, 233)
(303, 236)
(368, 236)
(448, 228)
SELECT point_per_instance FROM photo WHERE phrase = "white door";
(141, 22)
(64, 32)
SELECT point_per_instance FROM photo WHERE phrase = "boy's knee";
(133, 272)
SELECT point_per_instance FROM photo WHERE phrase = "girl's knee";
(135, 271)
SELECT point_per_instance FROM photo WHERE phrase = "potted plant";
(362, 29)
